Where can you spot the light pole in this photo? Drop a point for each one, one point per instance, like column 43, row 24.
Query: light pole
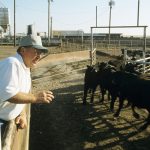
column 111, row 3
column 138, row 12
column 96, row 16
column 49, row 16
column 14, row 23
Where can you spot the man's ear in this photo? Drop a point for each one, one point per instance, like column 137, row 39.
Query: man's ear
column 22, row 50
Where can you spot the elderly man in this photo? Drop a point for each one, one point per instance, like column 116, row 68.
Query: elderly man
column 15, row 81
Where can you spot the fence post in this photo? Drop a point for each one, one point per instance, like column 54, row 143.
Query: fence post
column 143, row 61
column 125, row 56
column 93, row 56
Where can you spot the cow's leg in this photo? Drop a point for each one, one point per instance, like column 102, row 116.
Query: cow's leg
column 103, row 91
column 90, row 90
column 109, row 96
column 147, row 122
column 112, row 102
column 135, row 114
column 92, row 97
column 120, row 107
column 85, row 94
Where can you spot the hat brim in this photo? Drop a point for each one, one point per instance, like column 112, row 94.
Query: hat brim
column 41, row 48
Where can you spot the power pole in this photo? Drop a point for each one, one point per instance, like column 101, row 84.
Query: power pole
column 14, row 23
column 138, row 12
column 111, row 3
column 96, row 16
column 109, row 23
column 49, row 17
column 51, row 32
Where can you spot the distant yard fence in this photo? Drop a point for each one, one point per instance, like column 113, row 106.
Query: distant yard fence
column 143, row 63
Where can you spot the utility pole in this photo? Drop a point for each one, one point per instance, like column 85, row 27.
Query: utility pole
column 111, row 3
column 14, row 23
column 96, row 16
column 49, row 17
column 51, row 32
column 138, row 12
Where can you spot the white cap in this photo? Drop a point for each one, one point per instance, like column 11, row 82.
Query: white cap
column 33, row 41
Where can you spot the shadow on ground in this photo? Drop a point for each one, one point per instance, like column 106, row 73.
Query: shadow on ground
column 66, row 124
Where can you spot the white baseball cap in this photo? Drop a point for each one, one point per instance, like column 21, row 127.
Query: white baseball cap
column 33, row 41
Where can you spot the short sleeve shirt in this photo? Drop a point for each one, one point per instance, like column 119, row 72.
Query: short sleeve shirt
column 14, row 78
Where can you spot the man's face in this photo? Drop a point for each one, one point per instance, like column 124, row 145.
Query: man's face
column 31, row 56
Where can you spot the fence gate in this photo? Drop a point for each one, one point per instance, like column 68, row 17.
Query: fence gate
column 143, row 64
column 93, row 50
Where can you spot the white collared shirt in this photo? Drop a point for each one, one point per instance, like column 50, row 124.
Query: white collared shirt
column 14, row 77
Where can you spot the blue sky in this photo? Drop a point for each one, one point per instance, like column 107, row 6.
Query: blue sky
column 78, row 14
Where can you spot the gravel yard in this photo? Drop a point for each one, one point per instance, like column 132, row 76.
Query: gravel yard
column 66, row 124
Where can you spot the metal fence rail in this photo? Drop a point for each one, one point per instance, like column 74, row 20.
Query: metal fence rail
column 143, row 64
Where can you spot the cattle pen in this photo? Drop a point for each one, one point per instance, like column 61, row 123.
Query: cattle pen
column 67, row 124
column 93, row 50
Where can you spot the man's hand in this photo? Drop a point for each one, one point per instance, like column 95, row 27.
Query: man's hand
column 21, row 122
column 26, row 98
column 44, row 97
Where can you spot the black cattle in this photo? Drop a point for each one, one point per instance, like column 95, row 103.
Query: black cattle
column 132, row 54
column 90, row 82
column 116, row 63
column 106, row 72
column 121, row 81
column 96, row 76
column 131, row 68
column 102, row 66
column 106, row 75
column 136, row 90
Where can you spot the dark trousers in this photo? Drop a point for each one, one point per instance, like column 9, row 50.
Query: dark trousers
column 3, row 127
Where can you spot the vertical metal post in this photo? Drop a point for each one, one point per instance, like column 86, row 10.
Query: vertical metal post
column 14, row 23
column 144, row 45
column 109, row 23
column 144, row 48
column 96, row 16
column 125, row 56
column 138, row 12
column 143, row 62
column 91, row 55
column 131, row 44
column 111, row 3
column 49, row 21
column 82, row 38
column 51, row 32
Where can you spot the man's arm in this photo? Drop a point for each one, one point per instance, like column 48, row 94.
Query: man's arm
column 25, row 98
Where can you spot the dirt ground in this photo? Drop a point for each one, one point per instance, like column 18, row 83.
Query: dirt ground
column 66, row 124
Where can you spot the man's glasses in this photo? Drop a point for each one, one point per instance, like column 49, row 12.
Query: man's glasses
column 38, row 52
